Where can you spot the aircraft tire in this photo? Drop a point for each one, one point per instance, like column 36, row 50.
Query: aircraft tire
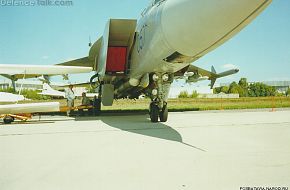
column 97, row 107
column 163, row 115
column 154, row 113
column 8, row 120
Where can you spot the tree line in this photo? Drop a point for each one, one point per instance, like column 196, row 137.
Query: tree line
column 27, row 93
column 244, row 89
column 185, row 94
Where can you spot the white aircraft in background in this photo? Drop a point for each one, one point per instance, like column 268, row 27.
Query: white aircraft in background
column 9, row 98
column 49, row 91
column 10, row 112
column 134, row 58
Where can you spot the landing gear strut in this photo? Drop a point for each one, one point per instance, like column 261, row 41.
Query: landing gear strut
column 97, row 103
column 158, row 107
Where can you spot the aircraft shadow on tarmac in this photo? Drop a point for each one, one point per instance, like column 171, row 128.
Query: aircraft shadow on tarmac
column 140, row 124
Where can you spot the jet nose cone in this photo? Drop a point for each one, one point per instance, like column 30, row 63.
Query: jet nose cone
column 194, row 27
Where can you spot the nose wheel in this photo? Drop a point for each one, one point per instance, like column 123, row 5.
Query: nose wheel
column 159, row 96
column 163, row 114
column 156, row 114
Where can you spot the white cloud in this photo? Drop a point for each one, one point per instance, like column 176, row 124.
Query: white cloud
column 229, row 66
column 45, row 57
column 279, row 79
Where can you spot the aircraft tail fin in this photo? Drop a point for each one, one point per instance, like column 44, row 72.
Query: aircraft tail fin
column 46, row 87
column 213, row 70
column 212, row 83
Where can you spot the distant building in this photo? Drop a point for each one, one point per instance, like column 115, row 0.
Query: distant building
column 219, row 96
column 281, row 86
column 26, row 84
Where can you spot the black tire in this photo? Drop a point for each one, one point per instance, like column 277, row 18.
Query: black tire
column 8, row 120
column 163, row 115
column 154, row 113
column 97, row 107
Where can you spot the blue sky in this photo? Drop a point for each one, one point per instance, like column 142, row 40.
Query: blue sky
column 50, row 35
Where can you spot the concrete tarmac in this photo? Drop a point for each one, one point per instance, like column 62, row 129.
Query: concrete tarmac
column 193, row 150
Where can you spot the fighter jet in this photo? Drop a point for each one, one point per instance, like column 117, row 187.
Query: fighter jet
column 133, row 57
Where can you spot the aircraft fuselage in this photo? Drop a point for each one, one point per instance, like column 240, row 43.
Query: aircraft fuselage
column 171, row 34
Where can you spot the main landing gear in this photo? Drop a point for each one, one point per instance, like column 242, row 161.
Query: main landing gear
column 97, row 102
column 158, row 108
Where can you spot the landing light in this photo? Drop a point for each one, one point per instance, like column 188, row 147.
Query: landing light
column 165, row 77
column 155, row 77
column 154, row 92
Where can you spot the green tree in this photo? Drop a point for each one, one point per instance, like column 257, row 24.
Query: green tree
column 8, row 90
column 222, row 89
column 261, row 90
column 194, row 94
column 243, row 83
column 225, row 89
column 288, row 92
column 254, row 90
column 244, row 87
column 183, row 94
column 33, row 95
column 217, row 90
column 234, row 88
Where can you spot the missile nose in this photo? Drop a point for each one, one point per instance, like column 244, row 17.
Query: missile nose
column 194, row 27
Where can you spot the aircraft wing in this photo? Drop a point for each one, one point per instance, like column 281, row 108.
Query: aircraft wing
column 195, row 74
column 82, row 62
column 82, row 65
column 202, row 72
column 85, row 84
column 87, row 61
column 32, row 71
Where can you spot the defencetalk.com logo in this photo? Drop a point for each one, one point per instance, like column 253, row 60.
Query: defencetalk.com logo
column 31, row 3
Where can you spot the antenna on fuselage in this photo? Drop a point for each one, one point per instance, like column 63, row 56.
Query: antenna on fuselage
column 90, row 41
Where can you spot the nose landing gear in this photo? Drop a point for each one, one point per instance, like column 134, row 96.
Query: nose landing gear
column 156, row 113
column 163, row 114
column 158, row 107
